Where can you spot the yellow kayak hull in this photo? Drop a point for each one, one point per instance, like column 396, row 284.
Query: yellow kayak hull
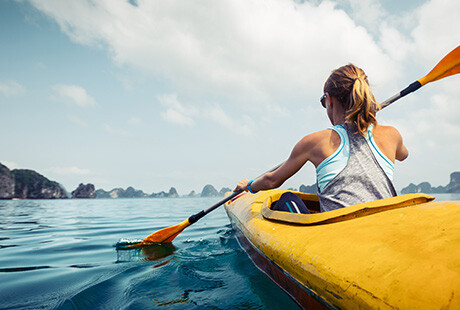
column 401, row 252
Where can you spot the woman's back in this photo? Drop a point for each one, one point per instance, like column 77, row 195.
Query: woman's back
column 387, row 138
column 326, row 142
column 357, row 172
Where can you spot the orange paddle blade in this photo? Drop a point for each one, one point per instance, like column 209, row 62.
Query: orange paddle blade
column 448, row 66
column 164, row 235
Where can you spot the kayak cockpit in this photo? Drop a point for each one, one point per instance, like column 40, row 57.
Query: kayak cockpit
column 316, row 217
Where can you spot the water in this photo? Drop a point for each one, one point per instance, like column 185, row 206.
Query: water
column 60, row 254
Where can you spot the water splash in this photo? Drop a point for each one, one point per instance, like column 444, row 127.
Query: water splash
column 123, row 243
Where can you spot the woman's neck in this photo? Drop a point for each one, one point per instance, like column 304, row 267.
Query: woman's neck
column 336, row 112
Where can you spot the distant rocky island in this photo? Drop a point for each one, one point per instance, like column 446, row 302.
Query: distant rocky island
column 311, row 189
column 29, row 184
column 84, row 191
column 425, row 187
column 130, row 192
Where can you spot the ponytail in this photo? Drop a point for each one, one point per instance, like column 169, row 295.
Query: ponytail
column 349, row 85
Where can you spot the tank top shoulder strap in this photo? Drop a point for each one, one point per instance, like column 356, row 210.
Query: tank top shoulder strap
column 336, row 162
column 384, row 162
column 340, row 130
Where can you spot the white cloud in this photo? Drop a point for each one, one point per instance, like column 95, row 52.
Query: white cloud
column 73, row 170
column 116, row 131
column 184, row 115
column 74, row 94
column 175, row 117
column 242, row 125
column 369, row 13
column 438, row 31
column 177, row 113
column 395, row 44
column 444, row 106
column 250, row 51
column 77, row 121
column 11, row 88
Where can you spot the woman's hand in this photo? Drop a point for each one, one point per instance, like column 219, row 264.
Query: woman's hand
column 242, row 186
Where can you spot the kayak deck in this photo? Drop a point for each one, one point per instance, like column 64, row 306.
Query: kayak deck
column 405, row 256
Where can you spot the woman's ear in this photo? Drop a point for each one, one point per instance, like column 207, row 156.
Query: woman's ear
column 329, row 100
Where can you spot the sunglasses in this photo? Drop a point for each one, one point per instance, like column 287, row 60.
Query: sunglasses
column 323, row 100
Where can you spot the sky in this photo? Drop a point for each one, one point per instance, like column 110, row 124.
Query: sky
column 154, row 94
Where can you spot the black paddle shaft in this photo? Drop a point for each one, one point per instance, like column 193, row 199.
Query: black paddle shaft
column 194, row 218
column 409, row 89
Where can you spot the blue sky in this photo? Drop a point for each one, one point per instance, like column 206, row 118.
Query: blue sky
column 154, row 94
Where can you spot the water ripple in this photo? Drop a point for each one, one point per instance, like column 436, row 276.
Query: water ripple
column 60, row 254
column 20, row 269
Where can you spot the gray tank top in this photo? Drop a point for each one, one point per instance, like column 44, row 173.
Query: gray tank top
column 361, row 180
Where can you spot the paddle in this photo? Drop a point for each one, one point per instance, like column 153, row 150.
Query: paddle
column 169, row 233
column 448, row 66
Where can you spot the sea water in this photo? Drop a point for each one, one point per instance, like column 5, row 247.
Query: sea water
column 61, row 254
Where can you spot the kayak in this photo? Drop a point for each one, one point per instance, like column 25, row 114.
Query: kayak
column 401, row 252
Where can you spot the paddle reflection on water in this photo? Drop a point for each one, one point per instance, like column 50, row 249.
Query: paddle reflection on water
column 146, row 253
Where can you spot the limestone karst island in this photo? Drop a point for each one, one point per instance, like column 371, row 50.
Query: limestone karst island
column 29, row 184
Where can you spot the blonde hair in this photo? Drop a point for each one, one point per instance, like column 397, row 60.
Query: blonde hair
column 349, row 85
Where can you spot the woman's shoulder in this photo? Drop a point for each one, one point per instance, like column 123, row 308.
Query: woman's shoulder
column 319, row 145
column 320, row 136
column 386, row 131
column 390, row 141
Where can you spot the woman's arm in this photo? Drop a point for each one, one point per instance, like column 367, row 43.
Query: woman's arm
column 401, row 150
column 299, row 156
column 390, row 142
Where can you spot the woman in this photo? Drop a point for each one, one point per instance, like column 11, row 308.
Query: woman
column 354, row 158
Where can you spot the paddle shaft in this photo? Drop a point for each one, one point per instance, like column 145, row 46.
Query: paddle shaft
column 409, row 89
column 194, row 218
column 447, row 66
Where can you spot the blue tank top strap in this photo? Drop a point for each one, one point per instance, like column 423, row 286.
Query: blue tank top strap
column 336, row 162
column 384, row 162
